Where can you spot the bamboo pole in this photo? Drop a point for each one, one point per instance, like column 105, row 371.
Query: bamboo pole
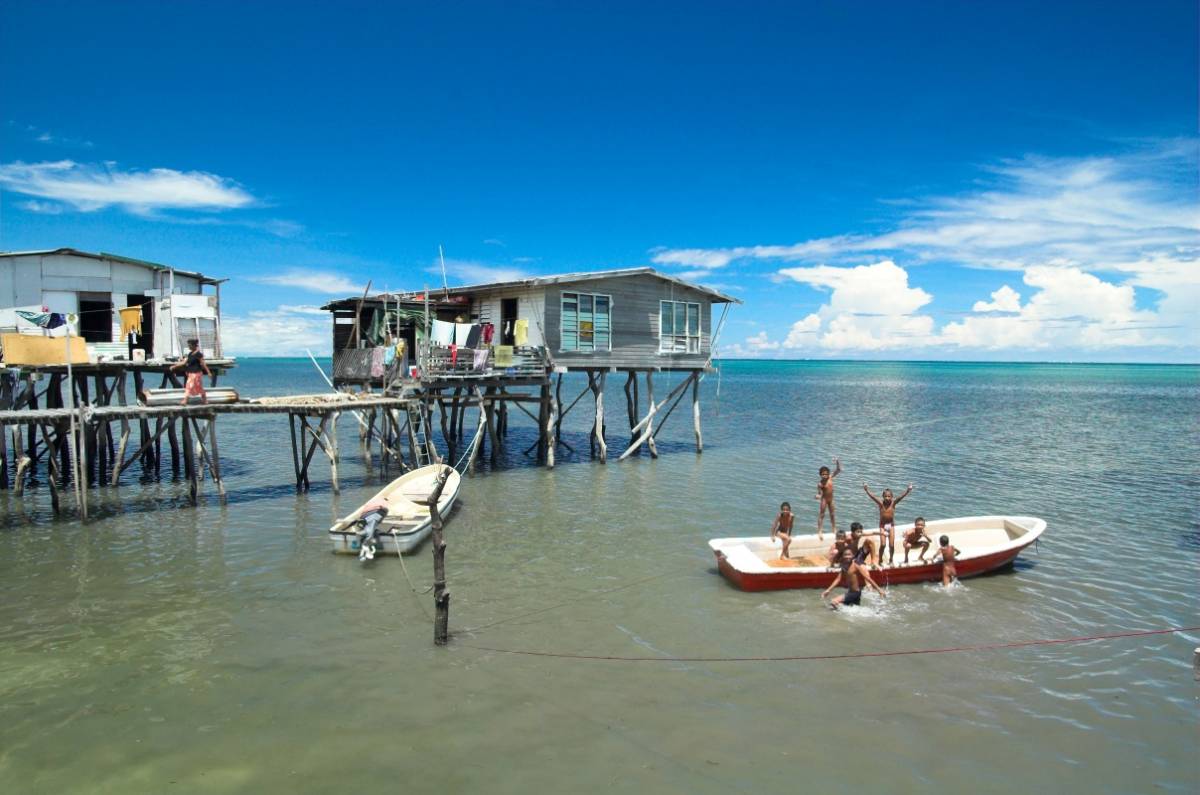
column 696, row 412
column 650, row 445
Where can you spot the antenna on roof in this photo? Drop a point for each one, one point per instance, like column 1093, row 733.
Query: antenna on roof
column 445, row 286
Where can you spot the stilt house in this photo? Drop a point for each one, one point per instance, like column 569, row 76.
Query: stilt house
column 175, row 304
column 485, row 339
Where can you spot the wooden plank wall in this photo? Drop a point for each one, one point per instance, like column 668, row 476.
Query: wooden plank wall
column 635, row 312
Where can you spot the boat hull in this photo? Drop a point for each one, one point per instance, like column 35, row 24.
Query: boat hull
column 987, row 543
column 888, row 575
column 408, row 523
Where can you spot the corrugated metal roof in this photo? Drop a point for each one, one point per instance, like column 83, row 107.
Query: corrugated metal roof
column 562, row 278
column 114, row 257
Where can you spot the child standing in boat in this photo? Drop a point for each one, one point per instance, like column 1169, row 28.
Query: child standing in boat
column 825, row 495
column 916, row 538
column 949, row 555
column 887, row 519
column 782, row 529
column 853, row 574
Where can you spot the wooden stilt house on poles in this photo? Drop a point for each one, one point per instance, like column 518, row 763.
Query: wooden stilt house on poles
column 488, row 339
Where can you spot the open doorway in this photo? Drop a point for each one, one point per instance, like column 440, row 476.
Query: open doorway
column 508, row 318
column 95, row 317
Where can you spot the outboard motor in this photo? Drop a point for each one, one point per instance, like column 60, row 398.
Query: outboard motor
column 369, row 522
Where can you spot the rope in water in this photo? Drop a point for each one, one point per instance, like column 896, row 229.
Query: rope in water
column 851, row 656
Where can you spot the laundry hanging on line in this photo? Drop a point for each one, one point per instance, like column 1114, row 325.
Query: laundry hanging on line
column 461, row 332
column 441, row 332
column 481, row 357
column 521, row 332
column 377, row 355
column 131, row 321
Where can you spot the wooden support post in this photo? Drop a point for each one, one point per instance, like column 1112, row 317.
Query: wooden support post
column 444, row 423
column 51, row 440
column 119, row 385
column 493, row 434
column 333, row 452
column 215, row 456
column 189, row 461
column 31, row 453
column 558, row 404
column 598, row 430
column 551, row 436
column 3, row 458
column 650, row 445
column 696, row 412
column 83, row 464
column 148, row 458
column 441, row 596
column 295, row 452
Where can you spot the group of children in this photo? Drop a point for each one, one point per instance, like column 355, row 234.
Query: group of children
column 854, row 554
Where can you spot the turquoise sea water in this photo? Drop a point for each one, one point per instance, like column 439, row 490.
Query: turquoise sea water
column 222, row 648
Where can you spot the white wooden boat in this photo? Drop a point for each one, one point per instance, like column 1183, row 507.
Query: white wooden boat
column 986, row 543
column 408, row 522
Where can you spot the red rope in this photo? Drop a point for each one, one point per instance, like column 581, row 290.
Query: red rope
column 856, row 655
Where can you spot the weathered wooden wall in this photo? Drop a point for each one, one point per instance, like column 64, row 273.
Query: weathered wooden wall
column 635, row 313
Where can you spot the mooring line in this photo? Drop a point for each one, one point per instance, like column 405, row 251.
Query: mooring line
column 850, row 656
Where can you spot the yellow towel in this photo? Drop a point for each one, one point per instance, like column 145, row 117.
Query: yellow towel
column 131, row 321
column 521, row 332
column 504, row 355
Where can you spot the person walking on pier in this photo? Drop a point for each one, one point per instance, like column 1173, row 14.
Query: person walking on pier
column 195, row 368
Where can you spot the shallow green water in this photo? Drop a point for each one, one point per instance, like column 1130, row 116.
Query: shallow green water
column 224, row 649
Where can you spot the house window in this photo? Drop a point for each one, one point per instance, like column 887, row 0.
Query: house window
column 678, row 327
column 586, row 322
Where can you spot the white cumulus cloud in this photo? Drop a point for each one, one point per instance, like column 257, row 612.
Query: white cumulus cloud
column 870, row 308
column 284, row 331
column 1006, row 299
column 94, row 187
column 314, row 281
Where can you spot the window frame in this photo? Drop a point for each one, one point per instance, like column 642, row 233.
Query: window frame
column 562, row 300
column 686, row 336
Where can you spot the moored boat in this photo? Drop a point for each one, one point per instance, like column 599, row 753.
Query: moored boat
column 986, row 543
column 408, row 521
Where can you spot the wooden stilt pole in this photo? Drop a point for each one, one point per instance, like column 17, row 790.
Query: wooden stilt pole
column 295, row 452
column 441, row 596
column 333, row 453
column 215, row 456
column 696, row 412
column 551, row 436
column 650, row 445
column 598, row 431
column 189, row 462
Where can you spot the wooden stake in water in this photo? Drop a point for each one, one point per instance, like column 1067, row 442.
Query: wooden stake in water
column 441, row 597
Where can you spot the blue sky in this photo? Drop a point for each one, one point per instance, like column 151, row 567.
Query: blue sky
column 875, row 180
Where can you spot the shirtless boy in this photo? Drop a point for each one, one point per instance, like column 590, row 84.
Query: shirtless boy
column 840, row 542
column 864, row 549
column 949, row 555
column 782, row 529
column 852, row 575
column 916, row 538
column 825, row 495
column 887, row 518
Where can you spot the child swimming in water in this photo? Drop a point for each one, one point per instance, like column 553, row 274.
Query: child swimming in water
column 782, row 529
column 887, row 518
column 825, row 495
column 949, row 555
column 852, row 575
